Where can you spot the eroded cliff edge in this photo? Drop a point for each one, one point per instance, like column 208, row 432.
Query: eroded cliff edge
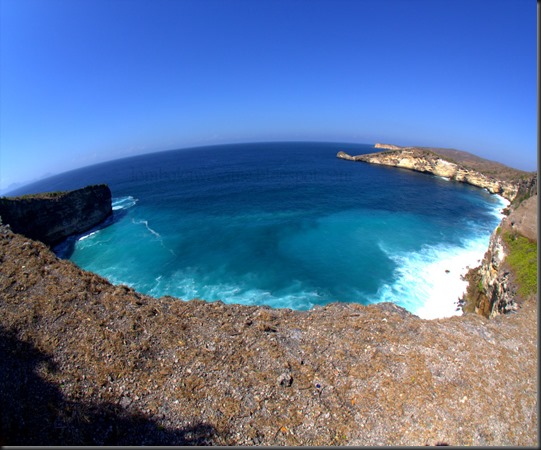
column 51, row 217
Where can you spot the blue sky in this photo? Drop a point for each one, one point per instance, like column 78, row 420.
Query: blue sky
column 84, row 81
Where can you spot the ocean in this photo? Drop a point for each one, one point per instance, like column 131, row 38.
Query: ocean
column 284, row 224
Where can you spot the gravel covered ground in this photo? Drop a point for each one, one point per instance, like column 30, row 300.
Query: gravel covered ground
column 85, row 362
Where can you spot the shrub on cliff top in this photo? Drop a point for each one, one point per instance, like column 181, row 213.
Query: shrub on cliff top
column 523, row 260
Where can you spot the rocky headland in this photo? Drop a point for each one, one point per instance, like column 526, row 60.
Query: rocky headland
column 451, row 164
column 84, row 362
column 508, row 272
column 52, row 217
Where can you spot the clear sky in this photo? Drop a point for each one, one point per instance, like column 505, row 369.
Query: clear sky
column 84, row 81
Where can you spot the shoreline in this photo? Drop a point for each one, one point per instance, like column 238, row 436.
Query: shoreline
column 430, row 283
column 448, row 164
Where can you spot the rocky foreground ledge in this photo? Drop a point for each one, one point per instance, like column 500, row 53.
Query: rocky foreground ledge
column 452, row 164
column 86, row 362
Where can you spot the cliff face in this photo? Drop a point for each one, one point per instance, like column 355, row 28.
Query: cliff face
column 50, row 218
column 526, row 188
column 523, row 219
column 493, row 288
column 429, row 162
column 493, row 291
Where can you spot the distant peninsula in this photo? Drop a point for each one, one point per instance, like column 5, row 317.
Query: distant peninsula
column 451, row 164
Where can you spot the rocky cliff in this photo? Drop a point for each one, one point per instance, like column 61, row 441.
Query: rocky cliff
column 430, row 162
column 51, row 217
column 491, row 291
column 527, row 188
column 508, row 272
column 507, row 275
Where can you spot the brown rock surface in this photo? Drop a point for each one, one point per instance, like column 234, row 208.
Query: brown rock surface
column 387, row 146
column 524, row 218
column 85, row 362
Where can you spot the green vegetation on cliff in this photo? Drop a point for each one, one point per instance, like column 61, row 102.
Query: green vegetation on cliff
column 522, row 258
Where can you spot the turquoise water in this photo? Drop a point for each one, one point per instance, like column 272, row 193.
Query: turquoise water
column 286, row 225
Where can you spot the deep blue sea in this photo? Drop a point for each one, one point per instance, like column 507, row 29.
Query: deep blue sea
column 283, row 224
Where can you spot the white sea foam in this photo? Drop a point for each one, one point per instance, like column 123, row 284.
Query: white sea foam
column 86, row 236
column 235, row 294
column 503, row 203
column 430, row 282
column 123, row 202
column 157, row 235
column 186, row 285
column 145, row 223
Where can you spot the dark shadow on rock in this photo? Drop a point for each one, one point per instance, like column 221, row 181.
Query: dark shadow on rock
column 35, row 412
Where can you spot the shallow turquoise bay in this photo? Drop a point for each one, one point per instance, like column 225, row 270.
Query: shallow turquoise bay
column 286, row 225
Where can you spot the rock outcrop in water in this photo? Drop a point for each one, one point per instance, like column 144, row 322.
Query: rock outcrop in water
column 427, row 161
column 51, row 217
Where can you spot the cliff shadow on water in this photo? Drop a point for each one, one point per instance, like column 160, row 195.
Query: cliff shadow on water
column 66, row 248
column 34, row 411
